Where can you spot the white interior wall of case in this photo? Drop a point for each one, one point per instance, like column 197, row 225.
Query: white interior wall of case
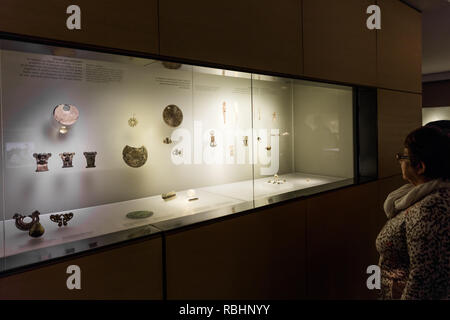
column 272, row 105
column 435, row 114
column 103, row 127
column 318, row 119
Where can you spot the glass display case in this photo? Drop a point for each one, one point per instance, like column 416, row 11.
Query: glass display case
column 98, row 148
column 431, row 114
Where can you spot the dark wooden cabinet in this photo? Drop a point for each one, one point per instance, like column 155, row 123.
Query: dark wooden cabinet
column 340, row 245
column 114, row 24
column 336, row 42
column 261, row 255
column 399, row 47
column 130, row 271
column 257, row 34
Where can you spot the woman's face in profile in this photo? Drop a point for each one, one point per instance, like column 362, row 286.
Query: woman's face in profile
column 408, row 171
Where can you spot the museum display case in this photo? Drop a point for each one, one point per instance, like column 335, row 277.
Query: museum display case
column 99, row 148
column 431, row 114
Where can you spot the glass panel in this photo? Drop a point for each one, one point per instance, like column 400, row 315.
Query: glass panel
column 223, row 124
column 304, row 137
column 273, row 134
column 100, row 148
column 2, row 207
column 98, row 144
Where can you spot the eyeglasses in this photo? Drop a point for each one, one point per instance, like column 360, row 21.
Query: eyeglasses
column 400, row 156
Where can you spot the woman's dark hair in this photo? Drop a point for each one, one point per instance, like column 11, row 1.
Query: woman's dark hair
column 444, row 125
column 431, row 146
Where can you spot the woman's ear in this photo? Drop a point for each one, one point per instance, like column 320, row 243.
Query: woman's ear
column 420, row 168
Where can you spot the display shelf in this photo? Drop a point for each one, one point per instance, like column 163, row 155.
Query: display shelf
column 109, row 219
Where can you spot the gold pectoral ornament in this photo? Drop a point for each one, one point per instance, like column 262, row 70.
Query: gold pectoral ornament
column 135, row 157
column 61, row 219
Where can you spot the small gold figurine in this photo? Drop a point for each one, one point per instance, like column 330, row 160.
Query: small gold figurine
column 132, row 122
column 212, row 143
column 245, row 141
column 224, row 110
column 167, row 140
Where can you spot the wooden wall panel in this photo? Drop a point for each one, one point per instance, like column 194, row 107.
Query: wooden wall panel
column 129, row 272
column 399, row 47
column 436, row 94
column 256, row 256
column 340, row 244
column 132, row 25
column 257, row 34
column 337, row 44
column 398, row 114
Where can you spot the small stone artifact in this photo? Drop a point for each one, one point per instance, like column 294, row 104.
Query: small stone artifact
column 42, row 161
column 139, row 214
column 90, row 158
column 67, row 157
column 276, row 180
column 61, row 219
column 169, row 195
column 172, row 115
column 135, row 157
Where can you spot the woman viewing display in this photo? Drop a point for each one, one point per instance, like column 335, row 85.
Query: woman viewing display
column 414, row 244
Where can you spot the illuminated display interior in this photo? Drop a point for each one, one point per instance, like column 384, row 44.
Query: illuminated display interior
column 121, row 142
